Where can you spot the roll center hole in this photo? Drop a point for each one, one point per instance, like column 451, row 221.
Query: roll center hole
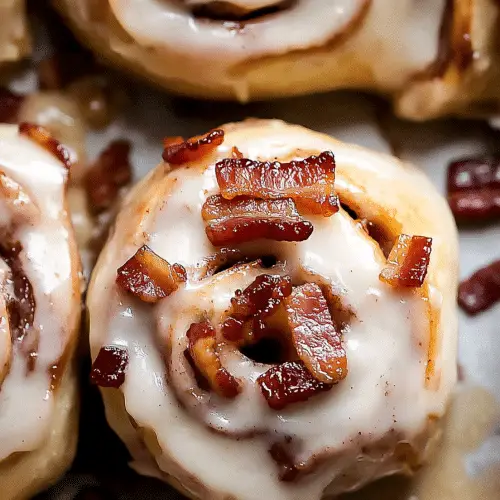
column 238, row 11
column 268, row 350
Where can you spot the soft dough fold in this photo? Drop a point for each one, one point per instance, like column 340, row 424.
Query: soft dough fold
column 432, row 57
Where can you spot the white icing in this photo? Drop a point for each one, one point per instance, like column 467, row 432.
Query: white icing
column 42, row 228
column 383, row 394
column 396, row 39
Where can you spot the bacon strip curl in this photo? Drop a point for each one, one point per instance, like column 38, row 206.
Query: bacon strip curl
column 309, row 182
column 318, row 343
column 231, row 222
column 408, row 261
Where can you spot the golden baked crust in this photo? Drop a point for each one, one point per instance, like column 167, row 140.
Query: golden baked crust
column 41, row 309
column 372, row 47
column 166, row 436
column 14, row 36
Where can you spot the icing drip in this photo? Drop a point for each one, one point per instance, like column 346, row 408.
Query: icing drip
column 384, row 398
column 39, row 278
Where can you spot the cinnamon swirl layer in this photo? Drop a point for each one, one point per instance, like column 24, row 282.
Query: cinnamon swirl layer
column 254, row 335
column 40, row 312
column 433, row 57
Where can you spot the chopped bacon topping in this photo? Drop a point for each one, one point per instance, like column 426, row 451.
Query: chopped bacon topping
column 202, row 348
column 108, row 369
column 257, row 301
column 408, row 261
column 309, row 182
column 110, row 172
column 43, row 137
column 247, row 219
column 10, row 104
column 289, row 383
column 149, row 277
column 474, row 189
column 316, row 340
column 481, row 290
column 178, row 151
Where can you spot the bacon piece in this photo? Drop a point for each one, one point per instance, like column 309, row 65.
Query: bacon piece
column 149, row 277
column 202, row 348
column 289, row 383
column 309, row 182
column 10, row 104
column 110, row 172
column 314, row 336
column 230, row 222
column 108, row 369
column 43, row 137
column 178, row 151
column 474, row 189
column 257, row 301
column 408, row 261
column 481, row 290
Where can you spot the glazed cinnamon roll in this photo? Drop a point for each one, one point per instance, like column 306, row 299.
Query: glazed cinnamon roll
column 432, row 56
column 14, row 36
column 40, row 312
column 273, row 315
column 94, row 187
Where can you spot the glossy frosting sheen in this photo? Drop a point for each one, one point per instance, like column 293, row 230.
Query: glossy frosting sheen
column 32, row 212
column 396, row 39
column 384, row 398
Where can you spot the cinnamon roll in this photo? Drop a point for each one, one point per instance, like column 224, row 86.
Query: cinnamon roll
column 94, row 187
column 274, row 315
column 432, row 56
column 40, row 312
column 14, row 35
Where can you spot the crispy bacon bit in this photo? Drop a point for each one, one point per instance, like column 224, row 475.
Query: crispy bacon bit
column 308, row 182
column 315, row 338
column 43, row 137
column 149, row 277
column 408, row 261
column 110, row 172
column 202, row 348
column 178, row 151
column 481, row 290
column 10, row 103
column 477, row 179
column 108, row 369
column 474, row 189
column 289, row 383
column 257, row 301
column 230, row 222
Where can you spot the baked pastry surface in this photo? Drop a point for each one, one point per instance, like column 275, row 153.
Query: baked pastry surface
column 400, row 344
column 40, row 277
column 14, row 36
column 432, row 57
